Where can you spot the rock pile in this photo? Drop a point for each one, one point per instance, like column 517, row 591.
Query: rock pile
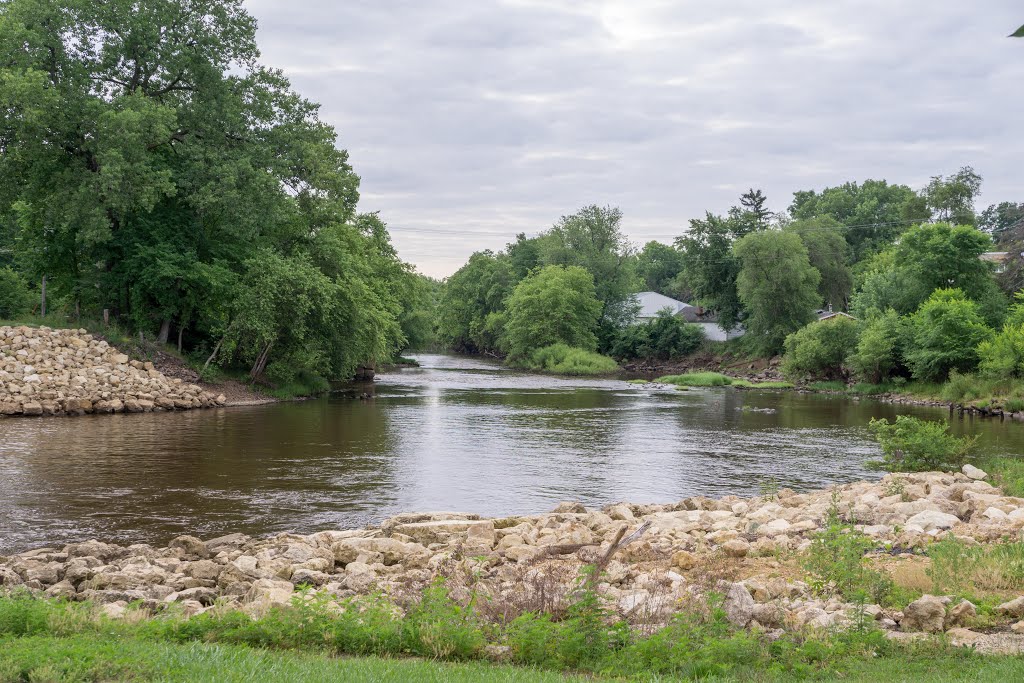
column 69, row 372
column 512, row 560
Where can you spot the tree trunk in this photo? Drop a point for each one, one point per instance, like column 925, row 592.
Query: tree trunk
column 42, row 301
column 261, row 361
column 165, row 331
column 181, row 331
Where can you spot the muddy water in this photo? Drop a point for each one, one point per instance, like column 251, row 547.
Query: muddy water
column 455, row 434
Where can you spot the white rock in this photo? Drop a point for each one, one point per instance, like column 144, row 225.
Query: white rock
column 933, row 519
column 973, row 472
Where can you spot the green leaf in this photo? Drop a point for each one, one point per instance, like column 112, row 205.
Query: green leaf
column 1019, row 33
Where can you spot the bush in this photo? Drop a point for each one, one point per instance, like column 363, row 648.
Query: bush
column 944, row 335
column 15, row 297
column 1003, row 356
column 665, row 337
column 820, row 349
column 836, row 564
column 878, row 351
column 913, row 445
column 562, row 359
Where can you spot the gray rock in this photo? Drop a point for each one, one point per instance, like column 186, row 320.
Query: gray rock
column 1013, row 608
column 738, row 605
column 927, row 613
column 974, row 473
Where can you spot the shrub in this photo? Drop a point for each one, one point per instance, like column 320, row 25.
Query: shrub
column 562, row 359
column 15, row 297
column 913, row 445
column 836, row 563
column 944, row 335
column 440, row 628
column 878, row 349
column 820, row 349
column 1003, row 355
column 665, row 337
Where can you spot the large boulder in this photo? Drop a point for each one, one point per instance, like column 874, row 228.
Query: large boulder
column 738, row 605
column 927, row 613
column 1013, row 608
column 270, row 592
column 933, row 519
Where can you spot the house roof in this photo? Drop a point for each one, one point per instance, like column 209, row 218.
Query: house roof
column 825, row 314
column 995, row 256
column 652, row 302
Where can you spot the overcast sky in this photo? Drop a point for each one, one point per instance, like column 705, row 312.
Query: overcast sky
column 472, row 120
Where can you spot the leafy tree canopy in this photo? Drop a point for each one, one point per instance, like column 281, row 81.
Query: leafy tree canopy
column 556, row 304
column 152, row 167
column 873, row 213
column 778, row 286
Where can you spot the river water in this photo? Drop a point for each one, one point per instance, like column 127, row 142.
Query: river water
column 456, row 434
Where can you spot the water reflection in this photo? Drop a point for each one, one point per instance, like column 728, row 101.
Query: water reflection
column 457, row 433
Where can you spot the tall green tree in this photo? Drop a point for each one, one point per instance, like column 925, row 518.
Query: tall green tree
column 592, row 238
column 778, row 286
column 929, row 257
column 998, row 218
column 659, row 266
column 470, row 300
column 829, row 254
column 151, row 165
column 873, row 213
column 951, row 198
column 710, row 268
column 556, row 304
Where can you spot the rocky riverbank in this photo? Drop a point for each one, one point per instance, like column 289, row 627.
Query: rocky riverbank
column 47, row 371
column 743, row 548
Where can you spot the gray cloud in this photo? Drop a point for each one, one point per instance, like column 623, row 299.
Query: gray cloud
column 470, row 122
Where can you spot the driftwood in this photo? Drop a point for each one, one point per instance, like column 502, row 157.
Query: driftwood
column 617, row 544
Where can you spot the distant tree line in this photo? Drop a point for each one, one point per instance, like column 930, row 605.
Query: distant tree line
column 884, row 253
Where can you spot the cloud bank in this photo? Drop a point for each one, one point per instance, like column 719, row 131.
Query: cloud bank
column 470, row 122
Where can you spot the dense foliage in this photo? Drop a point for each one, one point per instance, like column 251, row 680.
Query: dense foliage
column 153, row 168
column 820, row 350
column 913, row 445
column 553, row 305
column 15, row 297
column 777, row 284
column 665, row 337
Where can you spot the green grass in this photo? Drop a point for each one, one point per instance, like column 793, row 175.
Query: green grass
column 303, row 384
column 1008, row 473
column 81, row 659
column 715, row 379
column 697, row 379
column 46, row 640
column 561, row 359
column 771, row 384
column 638, row 381
column 974, row 570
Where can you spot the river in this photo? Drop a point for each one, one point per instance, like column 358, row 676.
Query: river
column 455, row 434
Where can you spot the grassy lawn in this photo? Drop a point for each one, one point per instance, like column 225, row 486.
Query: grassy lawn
column 81, row 658
column 45, row 659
